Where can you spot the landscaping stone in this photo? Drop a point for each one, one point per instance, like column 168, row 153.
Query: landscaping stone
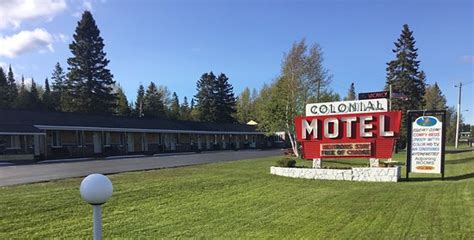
column 389, row 174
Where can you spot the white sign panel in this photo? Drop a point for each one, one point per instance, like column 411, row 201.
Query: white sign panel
column 358, row 106
column 426, row 145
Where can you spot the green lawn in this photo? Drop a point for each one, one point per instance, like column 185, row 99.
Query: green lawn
column 242, row 200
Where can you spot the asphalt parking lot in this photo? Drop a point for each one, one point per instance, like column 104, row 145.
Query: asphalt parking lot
column 40, row 172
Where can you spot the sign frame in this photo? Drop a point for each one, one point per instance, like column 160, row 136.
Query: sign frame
column 414, row 114
column 381, row 147
column 374, row 95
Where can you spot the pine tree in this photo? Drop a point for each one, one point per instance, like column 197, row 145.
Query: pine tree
column 165, row 98
column 351, row 95
column 123, row 108
column 193, row 111
column 34, row 102
column 434, row 98
column 90, row 83
column 192, row 104
column 185, row 110
column 225, row 99
column 47, row 99
column 153, row 105
column 23, row 99
column 138, row 106
column 175, row 107
column 4, row 99
column 405, row 77
column 59, row 96
column 12, row 88
column 205, row 98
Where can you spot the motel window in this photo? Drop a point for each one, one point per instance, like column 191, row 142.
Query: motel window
column 107, row 139
column 80, row 138
column 56, row 139
column 15, row 142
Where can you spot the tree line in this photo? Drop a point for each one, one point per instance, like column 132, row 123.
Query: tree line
column 88, row 86
column 303, row 79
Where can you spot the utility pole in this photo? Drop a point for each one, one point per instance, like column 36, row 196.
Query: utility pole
column 458, row 116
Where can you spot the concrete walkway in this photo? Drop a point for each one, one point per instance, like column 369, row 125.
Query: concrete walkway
column 20, row 174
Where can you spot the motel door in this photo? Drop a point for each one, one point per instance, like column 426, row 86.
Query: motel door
column 199, row 142
column 130, row 143
column 97, row 142
column 208, row 142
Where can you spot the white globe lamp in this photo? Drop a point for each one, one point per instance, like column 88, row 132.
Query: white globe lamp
column 96, row 189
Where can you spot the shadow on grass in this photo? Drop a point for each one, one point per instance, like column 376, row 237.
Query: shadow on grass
column 460, row 161
column 450, row 178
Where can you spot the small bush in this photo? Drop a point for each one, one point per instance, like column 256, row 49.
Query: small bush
column 285, row 162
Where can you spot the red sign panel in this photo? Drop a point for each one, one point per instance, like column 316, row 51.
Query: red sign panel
column 370, row 135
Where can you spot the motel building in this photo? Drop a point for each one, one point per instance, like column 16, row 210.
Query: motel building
column 37, row 135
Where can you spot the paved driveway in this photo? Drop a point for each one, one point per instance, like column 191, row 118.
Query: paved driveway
column 12, row 175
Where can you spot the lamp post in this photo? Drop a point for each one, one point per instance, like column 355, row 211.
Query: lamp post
column 96, row 189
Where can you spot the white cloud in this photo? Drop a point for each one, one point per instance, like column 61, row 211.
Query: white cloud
column 61, row 38
column 4, row 66
column 26, row 41
column 14, row 12
column 468, row 59
column 85, row 5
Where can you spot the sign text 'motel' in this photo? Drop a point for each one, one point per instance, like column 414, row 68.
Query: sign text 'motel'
column 361, row 128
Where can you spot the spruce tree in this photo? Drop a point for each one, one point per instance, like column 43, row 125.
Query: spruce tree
column 205, row 98
column 12, row 88
column 185, row 111
column 405, row 77
column 153, row 102
column 4, row 100
column 48, row 102
column 123, row 108
column 59, row 95
column 138, row 106
column 90, row 83
column 23, row 99
column 174, row 108
column 351, row 95
column 224, row 99
column 193, row 111
column 34, row 100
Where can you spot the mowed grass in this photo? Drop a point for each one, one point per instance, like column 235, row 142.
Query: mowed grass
column 242, row 200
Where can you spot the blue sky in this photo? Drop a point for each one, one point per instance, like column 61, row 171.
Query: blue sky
column 173, row 42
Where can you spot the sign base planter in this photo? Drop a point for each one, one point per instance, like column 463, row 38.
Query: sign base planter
column 386, row 174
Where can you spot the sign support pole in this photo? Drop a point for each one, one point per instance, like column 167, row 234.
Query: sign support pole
column 443, row 140
column 408, row 162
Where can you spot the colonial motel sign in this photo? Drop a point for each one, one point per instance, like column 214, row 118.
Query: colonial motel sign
column 426, row 142
column 363, row 128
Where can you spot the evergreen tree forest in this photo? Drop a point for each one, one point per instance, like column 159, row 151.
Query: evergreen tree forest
column 87, row 85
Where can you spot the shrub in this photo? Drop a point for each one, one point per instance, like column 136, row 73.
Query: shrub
column 285, row 162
